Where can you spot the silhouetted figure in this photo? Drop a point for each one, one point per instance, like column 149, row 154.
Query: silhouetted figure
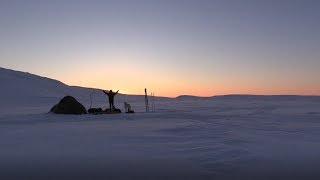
column 111, row 95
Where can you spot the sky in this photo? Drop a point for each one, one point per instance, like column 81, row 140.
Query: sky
column 171, row 47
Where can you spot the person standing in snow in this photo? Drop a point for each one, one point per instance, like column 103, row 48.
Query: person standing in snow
column 111, row 95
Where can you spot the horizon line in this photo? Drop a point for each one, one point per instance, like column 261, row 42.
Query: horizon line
column 171, row 97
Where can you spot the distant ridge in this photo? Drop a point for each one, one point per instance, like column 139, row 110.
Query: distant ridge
column 248, row 97
column 191, row 97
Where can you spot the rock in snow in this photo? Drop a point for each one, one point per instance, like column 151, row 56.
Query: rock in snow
column 69, row 105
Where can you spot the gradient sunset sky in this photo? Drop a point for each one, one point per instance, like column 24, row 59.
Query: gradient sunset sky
column 172, row 47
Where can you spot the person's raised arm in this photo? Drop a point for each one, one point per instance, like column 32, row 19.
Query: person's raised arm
column 117, row 92
column 105, row 92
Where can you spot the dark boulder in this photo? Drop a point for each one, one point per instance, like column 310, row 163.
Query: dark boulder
column 68, row 105
column 130, row 112
column 95, row 111
column 113, row 111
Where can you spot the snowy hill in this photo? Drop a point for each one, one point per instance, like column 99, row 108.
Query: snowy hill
column 21, row 84
column 22, row 90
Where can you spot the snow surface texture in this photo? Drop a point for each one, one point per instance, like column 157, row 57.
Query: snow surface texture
column 231, row 137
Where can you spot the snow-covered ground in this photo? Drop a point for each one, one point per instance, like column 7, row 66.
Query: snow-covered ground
column 232, row 137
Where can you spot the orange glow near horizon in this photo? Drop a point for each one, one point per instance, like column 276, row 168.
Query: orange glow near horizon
column 133, row 80
column 118, row 73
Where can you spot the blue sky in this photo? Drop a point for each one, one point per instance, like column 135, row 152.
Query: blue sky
column 200, row 47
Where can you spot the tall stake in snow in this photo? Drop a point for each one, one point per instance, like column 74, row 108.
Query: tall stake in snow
column 153, row 103
column 146, row 100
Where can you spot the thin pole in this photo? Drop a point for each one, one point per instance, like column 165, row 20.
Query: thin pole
column 153, row 103
column 146, row 100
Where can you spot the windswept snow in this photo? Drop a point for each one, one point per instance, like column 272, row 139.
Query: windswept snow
column 232, row 137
